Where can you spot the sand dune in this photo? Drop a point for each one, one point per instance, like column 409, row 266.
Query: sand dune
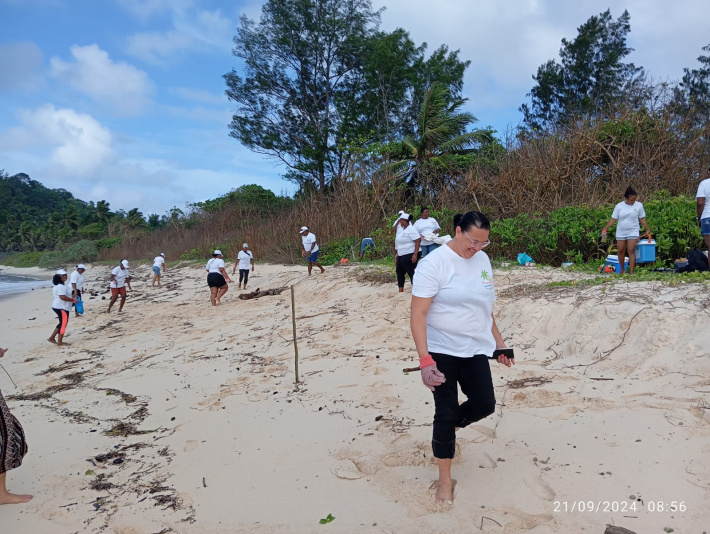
column 178, row 417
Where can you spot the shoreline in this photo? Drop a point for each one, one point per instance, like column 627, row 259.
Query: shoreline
column 199, row 406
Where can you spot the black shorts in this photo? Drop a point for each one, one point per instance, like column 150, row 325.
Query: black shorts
column 216, row 280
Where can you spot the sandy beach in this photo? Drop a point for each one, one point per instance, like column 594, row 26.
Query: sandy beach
column 175, row 416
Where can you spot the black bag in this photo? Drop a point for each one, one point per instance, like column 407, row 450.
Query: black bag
column 697, row 261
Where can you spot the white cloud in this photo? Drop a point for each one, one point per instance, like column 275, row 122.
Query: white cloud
column 192, row 30
column 199, row 95
column 20, row 65
column 144, row 9
column 117, row 85
column 77, row 144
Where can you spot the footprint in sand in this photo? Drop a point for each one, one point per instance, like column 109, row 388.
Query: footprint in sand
column 191, row 445
column 485, row 461
column 401, row 441
column 490, row 432
column 523, row 520
column 539, row 487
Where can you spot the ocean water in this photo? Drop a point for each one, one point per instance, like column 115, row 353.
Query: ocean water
column 10, row 285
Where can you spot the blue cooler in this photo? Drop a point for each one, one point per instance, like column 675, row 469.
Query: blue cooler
column 614, row 262
column 646, row 251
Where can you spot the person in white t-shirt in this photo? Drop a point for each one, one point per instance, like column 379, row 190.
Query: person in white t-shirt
column 118, row 285
column 217, row 277
column 245, row 259
column 396, row 230
column 310, row 249
column 76, row 281
column 158, row 263
column 62, row 301
column 703, row 211
column 427, row 225
column 455, row 333
column 406, row 246
column 628, row 214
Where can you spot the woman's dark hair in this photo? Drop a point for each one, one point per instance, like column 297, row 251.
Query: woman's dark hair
column 472, row 219
column 57, row 279
column 424, row 208
column 630, row 192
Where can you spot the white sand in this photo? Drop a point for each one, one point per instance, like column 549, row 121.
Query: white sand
column 231, row 446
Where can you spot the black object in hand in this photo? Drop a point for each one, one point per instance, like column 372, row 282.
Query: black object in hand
column 508, row 353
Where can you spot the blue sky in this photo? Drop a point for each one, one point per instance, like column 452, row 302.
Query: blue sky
column 123, row 100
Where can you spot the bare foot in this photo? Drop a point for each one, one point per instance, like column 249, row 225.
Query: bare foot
column 445, row 492
column 63, row 344
column 51, row 340
column 11, row 498
column 322, row 271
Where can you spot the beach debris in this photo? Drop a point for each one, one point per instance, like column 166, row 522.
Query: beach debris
column 610, row 529
column 328, row 519
column 259, row 293
column 378, row 276
column 33, row 318
column 532, row 381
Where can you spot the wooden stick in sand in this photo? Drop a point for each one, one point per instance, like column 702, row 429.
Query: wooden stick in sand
column 411, row 369
column 293, row 317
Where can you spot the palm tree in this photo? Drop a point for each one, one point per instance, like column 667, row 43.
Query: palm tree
column 101, row 212
column 71, row 218
column 440, row 140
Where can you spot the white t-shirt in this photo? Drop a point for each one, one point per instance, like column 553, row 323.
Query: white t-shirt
column 704, row 192
column 628, row 216
column 404, row 242
column 120, row 275
column 426, row 226
column 158, row 262
column 65, row 291
column 459, row 321
column 78, row 279
column 307, row 241
column 245, row 259
column 214, row 264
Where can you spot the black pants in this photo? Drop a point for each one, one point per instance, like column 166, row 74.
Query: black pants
column 405, row 266
column 474, row 375
column 243, row 275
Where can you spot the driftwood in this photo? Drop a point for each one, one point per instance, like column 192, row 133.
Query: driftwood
column 259, row 293
column 617, row 530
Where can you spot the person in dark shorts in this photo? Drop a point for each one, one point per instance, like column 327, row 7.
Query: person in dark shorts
column 703, row 211
column 367, row 244
column 455, row 333
column 310, row 249
column 245, row 260
column 217, row 277
column 13, row 448
column 406, row 245
column 62, row 301
column 76, row 280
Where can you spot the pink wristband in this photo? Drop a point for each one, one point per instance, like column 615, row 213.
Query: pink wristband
column 426, row 361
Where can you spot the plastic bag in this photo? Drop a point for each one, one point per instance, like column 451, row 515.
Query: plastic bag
column 523, row 258
column 79, row 306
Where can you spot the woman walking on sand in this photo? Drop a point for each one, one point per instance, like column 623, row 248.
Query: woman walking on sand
column 61, row 304
column 245, row 259
column 628, row 213
column 427, row 225
column 310, row 249
column 13, row 448
column 118, row 285
column 217, row 277
column 455, row 333
column 76, row 280
column 406, row 246
column 158, row 262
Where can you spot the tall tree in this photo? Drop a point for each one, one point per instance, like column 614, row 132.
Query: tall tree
column 692, row 95
column 591, row 74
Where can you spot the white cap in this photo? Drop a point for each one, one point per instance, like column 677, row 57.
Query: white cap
column 303, row 229
column 404, row 216
column 400, row 212
column 217, row 252
column 81, row 266
column 61, row 271
column 244, row 245
column 162, row 254
column 124, row 263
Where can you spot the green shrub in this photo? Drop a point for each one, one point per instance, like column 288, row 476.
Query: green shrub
column 333, row 251
column 92, row 231
column 82, row 251
column 52, row 260
column 108, row 242
column 23, row 259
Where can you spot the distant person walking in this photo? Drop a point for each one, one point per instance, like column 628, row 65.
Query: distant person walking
column 217, row 277
column 76, row 280
column 427, row 225
column 367, row 244
column 158, row 263
column 628, row 214
column 13, row 448
column 62, row 301
column 396, row 230
column 245, row 260
column 310, row 249
column 703, row 211
column 118, row 285
column 407, row 248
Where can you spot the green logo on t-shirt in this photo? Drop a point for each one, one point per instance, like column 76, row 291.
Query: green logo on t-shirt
column 485, row 275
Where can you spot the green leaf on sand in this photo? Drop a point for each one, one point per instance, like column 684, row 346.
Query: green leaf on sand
column 327, row 520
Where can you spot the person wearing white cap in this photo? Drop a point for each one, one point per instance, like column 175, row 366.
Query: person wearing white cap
column 407, row 247
column 245, row 259
column 76, row 280
column 158, row 262
column 61, row 304
column 310, row 249
column 217, row 277
column 118, row 285
column 397, row 229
